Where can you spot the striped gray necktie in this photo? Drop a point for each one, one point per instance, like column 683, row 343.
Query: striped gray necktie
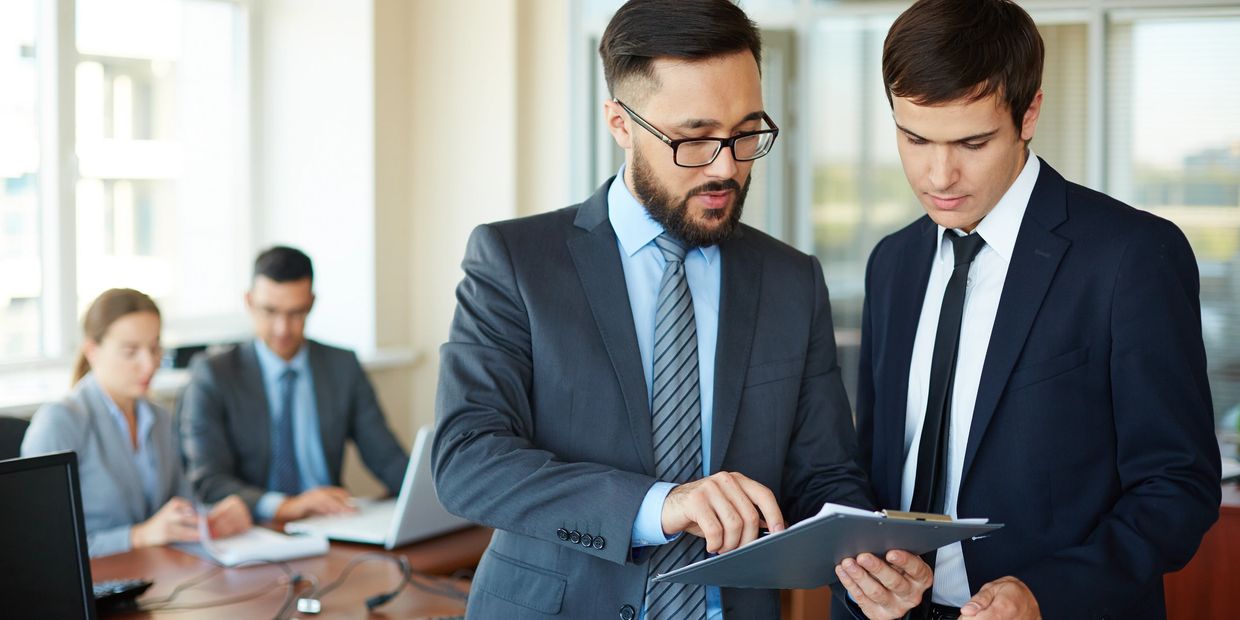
column 677, row 424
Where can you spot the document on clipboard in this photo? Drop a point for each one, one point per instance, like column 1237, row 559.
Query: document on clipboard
column 805, row 555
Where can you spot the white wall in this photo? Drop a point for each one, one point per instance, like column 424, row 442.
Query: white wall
column 389, row 129
column 487, row 140
column 314, row 166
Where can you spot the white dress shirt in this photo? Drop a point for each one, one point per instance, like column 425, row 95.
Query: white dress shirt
column 981, row 302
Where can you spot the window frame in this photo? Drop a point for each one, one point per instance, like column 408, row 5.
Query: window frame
column 57, row 58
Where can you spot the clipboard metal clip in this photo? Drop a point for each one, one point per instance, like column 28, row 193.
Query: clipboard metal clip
column 915, row 516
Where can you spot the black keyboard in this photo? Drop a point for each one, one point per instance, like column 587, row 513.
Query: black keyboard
column 119, row 594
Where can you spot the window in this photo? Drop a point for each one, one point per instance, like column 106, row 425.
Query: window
column 1174, row 150
column 158, row 197
column 21, row 286
column 1141, row 102
column 161, row 197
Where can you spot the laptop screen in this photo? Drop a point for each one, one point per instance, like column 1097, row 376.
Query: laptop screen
column 44, row 565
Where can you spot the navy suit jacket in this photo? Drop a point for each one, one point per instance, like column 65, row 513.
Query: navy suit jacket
column 1093, row 433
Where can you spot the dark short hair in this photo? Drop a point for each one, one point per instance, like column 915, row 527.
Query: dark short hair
column 644, row 30
column 283, row 264
column 939, row 51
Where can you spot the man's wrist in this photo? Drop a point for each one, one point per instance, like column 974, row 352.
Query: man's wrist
column 648, row 526
column 269, row 505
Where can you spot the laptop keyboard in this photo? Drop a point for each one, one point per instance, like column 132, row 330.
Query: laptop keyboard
column 116, row 587
column 119, row 595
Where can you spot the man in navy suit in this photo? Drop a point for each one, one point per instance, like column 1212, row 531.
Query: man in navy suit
column 1031, row 350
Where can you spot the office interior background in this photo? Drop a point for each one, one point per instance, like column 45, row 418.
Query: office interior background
column 158, row 144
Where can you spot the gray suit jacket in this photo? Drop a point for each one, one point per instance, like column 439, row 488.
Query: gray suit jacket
column 112, row 497
column 226, row 425
column 544, row 421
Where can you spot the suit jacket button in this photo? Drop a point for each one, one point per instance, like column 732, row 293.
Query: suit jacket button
column 574, row 537
column 599, row 543
column 587, row 540
column 562, row 533
column 627, row 612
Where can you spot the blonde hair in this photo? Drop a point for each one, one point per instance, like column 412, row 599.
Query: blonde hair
column 107, row 308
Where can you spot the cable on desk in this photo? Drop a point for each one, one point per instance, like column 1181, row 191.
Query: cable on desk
column 165, row 603
column 312, row 601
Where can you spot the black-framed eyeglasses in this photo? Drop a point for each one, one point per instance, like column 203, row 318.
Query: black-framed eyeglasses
column 698, row 152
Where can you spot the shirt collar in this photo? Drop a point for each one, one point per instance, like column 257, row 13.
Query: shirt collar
column 142, row 411
column 633, row 225
column 273, row 365
column 1001, row 226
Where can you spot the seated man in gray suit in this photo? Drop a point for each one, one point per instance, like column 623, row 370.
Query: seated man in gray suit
column 638, row 380
column 267, row 419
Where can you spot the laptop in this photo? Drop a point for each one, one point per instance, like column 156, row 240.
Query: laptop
column 43, row 553
column 414, row 515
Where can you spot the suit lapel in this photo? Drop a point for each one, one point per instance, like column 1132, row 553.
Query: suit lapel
column 738, row 318
column 596, row 257
column 329, row 435
column 249, row 380
column 1035, row 260
column 908, row 294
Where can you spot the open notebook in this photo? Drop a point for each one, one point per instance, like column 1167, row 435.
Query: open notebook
column 255, row 545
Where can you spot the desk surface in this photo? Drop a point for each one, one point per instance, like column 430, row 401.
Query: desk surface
column 168, row 568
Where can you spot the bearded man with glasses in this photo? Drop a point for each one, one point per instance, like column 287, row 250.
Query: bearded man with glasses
column 639, row 380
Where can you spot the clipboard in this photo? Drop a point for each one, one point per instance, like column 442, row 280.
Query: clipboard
column 805, row 555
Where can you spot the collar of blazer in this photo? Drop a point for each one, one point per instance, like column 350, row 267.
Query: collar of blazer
column 1035, row 260
column 596, row 256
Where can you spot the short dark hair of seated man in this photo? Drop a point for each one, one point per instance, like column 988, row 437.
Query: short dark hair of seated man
column 268, row 419
column 282, row 263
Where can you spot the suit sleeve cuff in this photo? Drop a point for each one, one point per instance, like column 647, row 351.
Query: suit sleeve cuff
column 268, row 504
column 648, row 526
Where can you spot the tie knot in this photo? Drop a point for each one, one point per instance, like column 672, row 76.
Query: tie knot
column 289, row 375
column 966, row 247
column 672, row 249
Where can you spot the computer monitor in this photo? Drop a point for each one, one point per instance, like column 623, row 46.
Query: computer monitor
column 44, row 564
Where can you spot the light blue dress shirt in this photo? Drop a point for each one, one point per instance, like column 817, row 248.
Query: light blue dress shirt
column 307, row 443
column 643, row 270
column 145, row 457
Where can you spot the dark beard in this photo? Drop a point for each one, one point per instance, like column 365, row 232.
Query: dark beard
column 664, row 209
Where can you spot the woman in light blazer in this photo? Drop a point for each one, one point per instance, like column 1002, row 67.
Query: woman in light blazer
column 134, row 492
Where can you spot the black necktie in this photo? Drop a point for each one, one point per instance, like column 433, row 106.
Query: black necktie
column 930, row 486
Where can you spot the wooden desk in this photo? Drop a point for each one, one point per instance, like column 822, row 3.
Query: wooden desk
column 1206, row 588
column 170, row 567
